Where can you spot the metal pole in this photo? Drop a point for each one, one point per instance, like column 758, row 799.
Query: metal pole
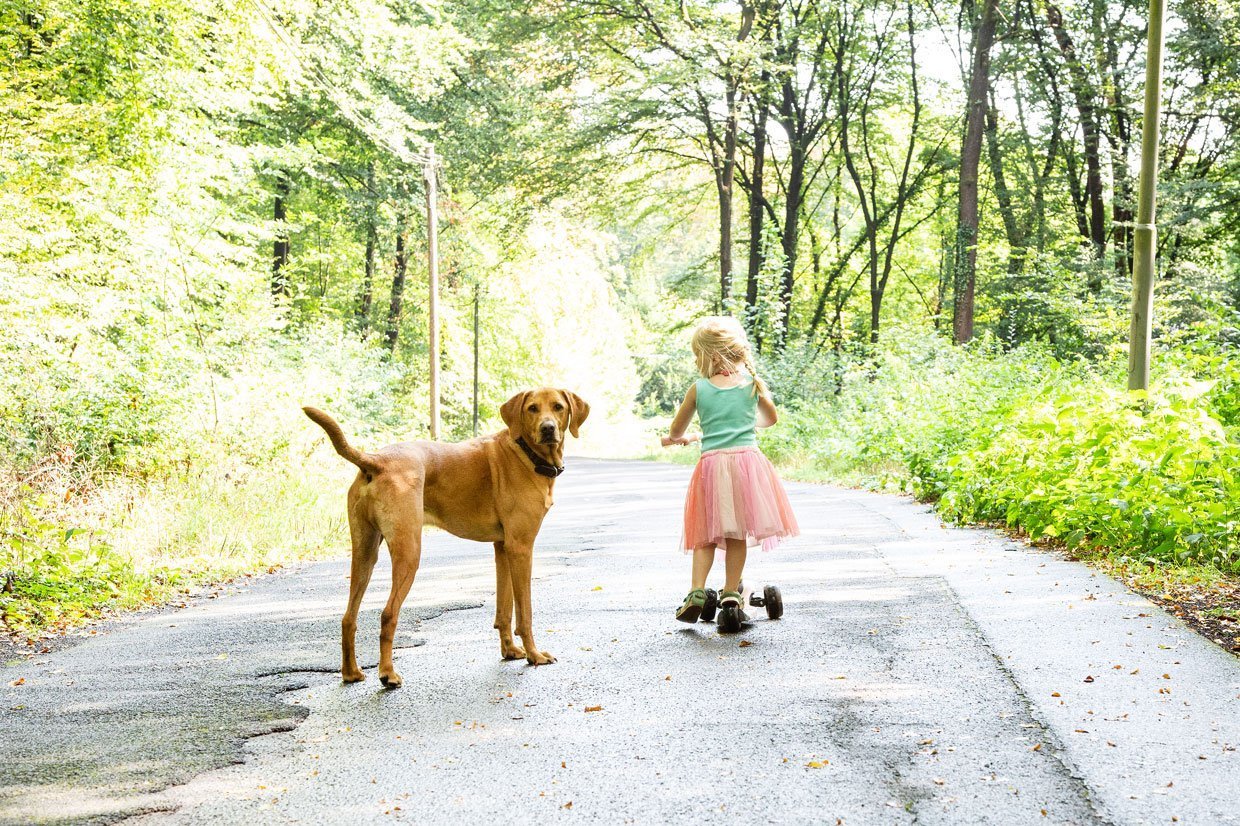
column 1143, row 234
column 432, row 251
column 477, row 347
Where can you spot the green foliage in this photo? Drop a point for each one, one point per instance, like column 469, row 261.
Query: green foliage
column 1048, row 303
column 764, row 320
column 153, row 153
column 1026, row 440
column 666, row 377
column 1146, row 477
column 131, row 479
column 54, row 577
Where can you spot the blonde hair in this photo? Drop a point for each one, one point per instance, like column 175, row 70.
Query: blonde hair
column 719, row 342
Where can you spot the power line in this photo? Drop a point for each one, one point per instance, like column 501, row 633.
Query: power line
column 367, row 127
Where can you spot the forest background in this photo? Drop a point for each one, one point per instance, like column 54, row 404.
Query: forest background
column 213, row 213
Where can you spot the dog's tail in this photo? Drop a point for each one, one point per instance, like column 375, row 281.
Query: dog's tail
column 367, row 464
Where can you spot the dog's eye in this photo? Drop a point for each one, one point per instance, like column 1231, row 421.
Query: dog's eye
column 533, row 408
column 558, row 407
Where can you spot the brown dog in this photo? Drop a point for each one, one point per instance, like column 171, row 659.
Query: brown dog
column 490, row 489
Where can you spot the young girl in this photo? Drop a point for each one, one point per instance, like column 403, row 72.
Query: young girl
column 735, row 498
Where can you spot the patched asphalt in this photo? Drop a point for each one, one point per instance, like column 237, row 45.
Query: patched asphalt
column 921, row 674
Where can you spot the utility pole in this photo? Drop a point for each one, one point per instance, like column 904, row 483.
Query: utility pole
column 432, row 252
column 1143, row 234
column 477, row 347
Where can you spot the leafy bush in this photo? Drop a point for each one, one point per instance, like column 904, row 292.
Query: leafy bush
column 1050, row 447
column 56, row 577
column 1145, row 477
column 134, row 470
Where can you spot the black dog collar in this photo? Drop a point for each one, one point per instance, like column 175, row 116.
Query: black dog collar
column 541, row 466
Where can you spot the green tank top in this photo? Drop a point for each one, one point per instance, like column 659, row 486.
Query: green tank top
column 727, row 415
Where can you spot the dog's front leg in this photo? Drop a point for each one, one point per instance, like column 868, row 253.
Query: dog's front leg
column 520, row 556
column 508, row 649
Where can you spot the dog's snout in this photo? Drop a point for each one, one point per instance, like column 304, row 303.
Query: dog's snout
column 546, row 431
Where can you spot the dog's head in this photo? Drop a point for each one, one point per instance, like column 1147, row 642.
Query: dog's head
column 542, row 415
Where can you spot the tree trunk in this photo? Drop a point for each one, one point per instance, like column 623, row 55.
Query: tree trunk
column 876, row 294
column 725, row 180
column 850, row 163
column 1007, row 211
column 366, row 297
column 1084, row 93
column 837, row 270
column 725, row 177
column 280, row 248
column 970, row 162
column 1121, row 131
column 1118, row 133
column 398, row 282
column 1038, row 170
column 1121, row 214
column 792, row 218
column 795, row 129
column 876, row 303
column 756, row 206
column 1080, row 200
column 906, row 189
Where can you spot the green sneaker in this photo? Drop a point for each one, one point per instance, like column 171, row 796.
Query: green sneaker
column 735, row 599
column 691, row 608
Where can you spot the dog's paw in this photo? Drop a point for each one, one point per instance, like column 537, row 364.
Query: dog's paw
column 539, row 658
column 355, row 676
column 392, row 680
column 512, row 652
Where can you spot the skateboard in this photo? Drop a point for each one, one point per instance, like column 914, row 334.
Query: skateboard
column 731, row 617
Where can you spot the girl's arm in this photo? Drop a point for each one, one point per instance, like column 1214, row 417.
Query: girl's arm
column 767, row 415
column 681, row 420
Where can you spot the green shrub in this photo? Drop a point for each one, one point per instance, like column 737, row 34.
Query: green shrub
column 55, row 577
column 1144, row 477
column 135, row 472
column 1047, row 446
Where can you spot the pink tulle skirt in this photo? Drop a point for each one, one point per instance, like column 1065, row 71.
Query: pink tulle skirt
column 735, row 493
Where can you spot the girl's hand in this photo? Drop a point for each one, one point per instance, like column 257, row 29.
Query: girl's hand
column 668, row 441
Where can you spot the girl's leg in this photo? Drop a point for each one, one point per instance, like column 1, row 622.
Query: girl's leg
column 703, row 557
column 735, row 562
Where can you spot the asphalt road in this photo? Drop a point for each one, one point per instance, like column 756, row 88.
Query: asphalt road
column 921, row 674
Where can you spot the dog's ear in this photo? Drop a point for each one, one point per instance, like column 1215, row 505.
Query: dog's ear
column 578, row 410
column 510, row 412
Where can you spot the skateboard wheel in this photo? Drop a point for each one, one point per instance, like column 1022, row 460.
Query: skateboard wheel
column 774, row 602
column 729, row 619
column 710, row 605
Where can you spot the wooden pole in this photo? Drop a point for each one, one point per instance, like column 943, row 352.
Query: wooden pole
column 432, row 252
column 477, row 347
column 1143, row 268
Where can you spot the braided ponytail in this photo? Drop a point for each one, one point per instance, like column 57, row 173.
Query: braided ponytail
column 759, row 386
